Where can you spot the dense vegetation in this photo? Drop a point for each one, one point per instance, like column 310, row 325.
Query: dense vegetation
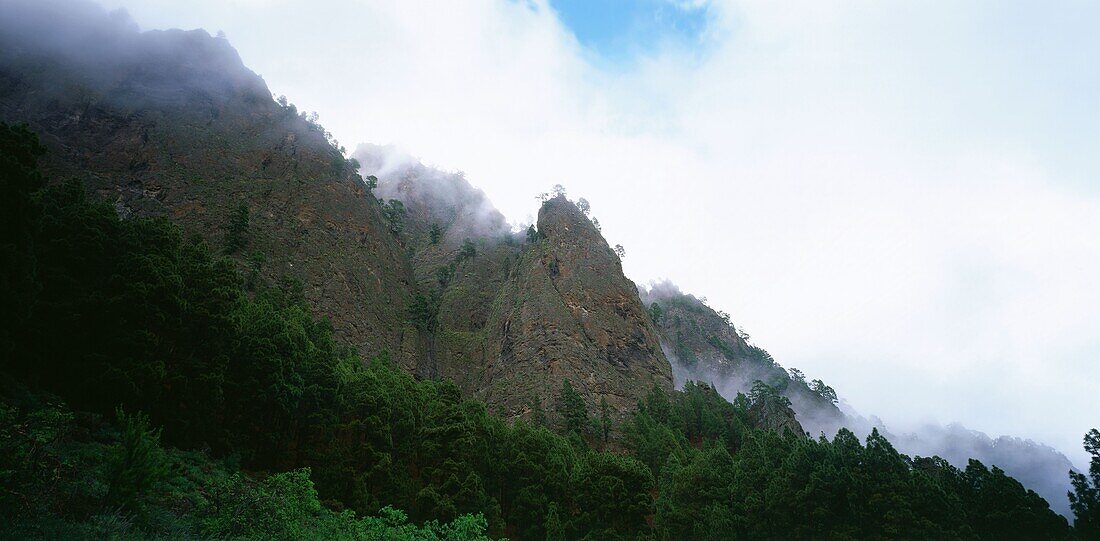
column 234, row 413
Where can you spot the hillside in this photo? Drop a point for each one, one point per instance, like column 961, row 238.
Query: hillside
column 291, row 341
column 703, row 345
column 513, row 316
column 173, row 124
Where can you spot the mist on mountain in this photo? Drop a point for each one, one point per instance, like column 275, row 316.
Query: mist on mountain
column 1038, row 466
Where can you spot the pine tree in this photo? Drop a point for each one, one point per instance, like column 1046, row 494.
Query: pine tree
column 555, row 530
column 1085, row 498
column 236, row 235
column 571, row 410
column 605, row 419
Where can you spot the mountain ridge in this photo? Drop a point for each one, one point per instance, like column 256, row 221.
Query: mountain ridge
column 173, row 124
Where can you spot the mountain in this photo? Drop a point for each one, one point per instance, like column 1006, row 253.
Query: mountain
column 700, row 343
column 515, row 317
column 571, row 314
column 172, row 123
column 533, row 382
column 703, row 345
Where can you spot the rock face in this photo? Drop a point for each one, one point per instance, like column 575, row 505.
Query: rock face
column 567, row 312
column 172, row 123
column 461, row 289
column 523, row 315
column 776, row 417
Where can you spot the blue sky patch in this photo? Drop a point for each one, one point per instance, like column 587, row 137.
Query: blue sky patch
column 619, row 30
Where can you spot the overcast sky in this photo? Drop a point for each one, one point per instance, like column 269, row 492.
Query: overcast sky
column 900, row 198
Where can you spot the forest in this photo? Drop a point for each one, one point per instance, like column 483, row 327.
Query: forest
column 153, row 388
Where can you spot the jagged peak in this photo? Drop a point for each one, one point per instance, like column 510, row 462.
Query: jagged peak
column 562, row 220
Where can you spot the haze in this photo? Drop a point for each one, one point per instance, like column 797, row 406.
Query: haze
column 901, row 199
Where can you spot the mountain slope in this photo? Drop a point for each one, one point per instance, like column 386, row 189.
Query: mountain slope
column 172, row 123
column 514, row 316
column 568, row 313
column 703, row 345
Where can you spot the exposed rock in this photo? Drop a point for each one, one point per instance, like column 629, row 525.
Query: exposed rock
column 567, row 312
column 172, row 123
column 775, row 416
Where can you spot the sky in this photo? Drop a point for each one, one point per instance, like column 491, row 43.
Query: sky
column 899, row 198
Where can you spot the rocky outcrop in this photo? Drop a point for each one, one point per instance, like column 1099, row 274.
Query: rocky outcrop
column 521, row 315
column 567, row 312
column 775, row 416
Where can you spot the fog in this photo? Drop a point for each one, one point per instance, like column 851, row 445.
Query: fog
column 94, row 55
column 438, row 196
column 1039, row 467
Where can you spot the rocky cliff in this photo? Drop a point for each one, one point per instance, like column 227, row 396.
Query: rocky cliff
column 567, row 312
column 516, row 316
column 172, row 123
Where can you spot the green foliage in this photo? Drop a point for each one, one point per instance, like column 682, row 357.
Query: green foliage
column 424, row 310
column 767, row 395
column 392, row 525
column 110, row 313
column 538, row 416
column 394, row 212
column 727, row 351
column 468, row 251
column 19, row 180
column 725, row 317
column 236, row 233
column 572, row 411
column 555, row 530
column 824, row 391
column 797, row 376
column 532, row 234
column 255, row 267
column 137, row 464
column 655, row 313
column 761, row 355
column 444, row 274
column 435, row 233
column 613, row 496
column 68, row 471
column 1085, row 498
column 605, row 420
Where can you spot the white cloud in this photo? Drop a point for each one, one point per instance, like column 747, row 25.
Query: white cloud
column 900, row 199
